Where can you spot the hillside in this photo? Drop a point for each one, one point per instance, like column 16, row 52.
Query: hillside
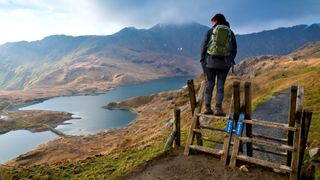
column 279, row 41
column 89, row 62
column 131, row 55
column 115, row 153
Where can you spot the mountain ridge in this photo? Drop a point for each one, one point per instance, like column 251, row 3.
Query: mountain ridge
column 162, row 50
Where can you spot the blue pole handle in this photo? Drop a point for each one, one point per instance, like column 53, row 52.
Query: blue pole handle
column 239, row 127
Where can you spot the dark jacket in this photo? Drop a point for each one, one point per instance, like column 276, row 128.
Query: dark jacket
column 209, row 61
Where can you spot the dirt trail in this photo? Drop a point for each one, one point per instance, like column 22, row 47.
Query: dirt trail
column 197, row 166
column 201, row 166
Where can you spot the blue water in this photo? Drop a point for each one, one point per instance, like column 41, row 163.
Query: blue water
column 93, row 118
column 18, row 142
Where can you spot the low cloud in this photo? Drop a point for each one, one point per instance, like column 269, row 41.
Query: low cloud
column 34, row 19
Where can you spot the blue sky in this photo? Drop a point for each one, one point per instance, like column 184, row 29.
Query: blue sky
column 35, row 19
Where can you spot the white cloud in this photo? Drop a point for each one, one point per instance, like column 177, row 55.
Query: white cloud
column 35, row 19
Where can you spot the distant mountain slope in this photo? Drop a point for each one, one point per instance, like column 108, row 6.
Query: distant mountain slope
column 280, row 41
column 128, row 56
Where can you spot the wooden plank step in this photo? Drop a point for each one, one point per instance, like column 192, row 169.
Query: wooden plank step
column 270, row 138
column 207, row 149
column 270, row 124
column 213, row 128
column 215, row 133
column 269, row 152
column 267, row 143
column 211, row 116
column 260, row 162
column 212, row 140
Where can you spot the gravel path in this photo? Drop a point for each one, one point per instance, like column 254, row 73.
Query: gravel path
column 276, row 110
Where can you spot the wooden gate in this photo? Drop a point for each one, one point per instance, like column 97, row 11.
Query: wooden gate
column 240, row 117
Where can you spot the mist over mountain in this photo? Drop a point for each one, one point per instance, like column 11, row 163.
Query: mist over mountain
column 130, row 55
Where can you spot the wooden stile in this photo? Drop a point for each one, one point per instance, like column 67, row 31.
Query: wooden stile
column 292, row 147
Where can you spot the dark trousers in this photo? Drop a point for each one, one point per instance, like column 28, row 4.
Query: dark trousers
column 213, row 76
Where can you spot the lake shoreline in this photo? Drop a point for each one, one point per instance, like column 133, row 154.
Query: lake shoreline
column 112, row 131
column 104, row 142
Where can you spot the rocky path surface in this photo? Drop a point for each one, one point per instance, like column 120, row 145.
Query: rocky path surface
column 201, row 166
column 275, row 110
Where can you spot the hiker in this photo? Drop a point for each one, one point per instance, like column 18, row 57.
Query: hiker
column 218, row 50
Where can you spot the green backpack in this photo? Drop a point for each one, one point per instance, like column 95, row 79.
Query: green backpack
column 220, row 42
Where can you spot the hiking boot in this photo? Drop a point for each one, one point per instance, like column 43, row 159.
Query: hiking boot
column 219, row 112
column 208, row 109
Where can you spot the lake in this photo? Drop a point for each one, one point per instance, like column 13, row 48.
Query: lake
column 93, row 118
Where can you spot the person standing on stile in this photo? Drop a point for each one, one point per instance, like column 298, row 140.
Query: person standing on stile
column 218, row 51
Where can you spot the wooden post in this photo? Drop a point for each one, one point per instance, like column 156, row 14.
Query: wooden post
column 227, row 139
column 296, row 143
column 235, row 151
column 170, row 140
column 176, row 126
column 236, row 100
column 300, row 99
column 291, row 119
column 192, row 95
column 236, row 106
column 305, row 126
column 248, row 114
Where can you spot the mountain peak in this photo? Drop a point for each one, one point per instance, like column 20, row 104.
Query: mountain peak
column 176, row 25
column 314, row 26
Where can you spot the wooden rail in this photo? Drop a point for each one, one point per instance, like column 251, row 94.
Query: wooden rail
column 270, row 124
column 212, row 128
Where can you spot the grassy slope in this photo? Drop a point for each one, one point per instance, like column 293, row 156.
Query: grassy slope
column 289, row 73
column 278, row 76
